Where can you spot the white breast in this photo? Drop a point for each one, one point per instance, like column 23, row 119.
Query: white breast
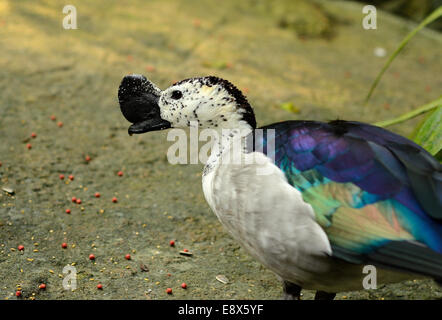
column 267, row 216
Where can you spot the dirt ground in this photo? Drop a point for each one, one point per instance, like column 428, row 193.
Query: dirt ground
column 317, row 57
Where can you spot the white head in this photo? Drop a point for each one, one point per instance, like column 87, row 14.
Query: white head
column 210, row 102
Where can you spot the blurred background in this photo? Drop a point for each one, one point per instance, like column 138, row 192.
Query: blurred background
column 293, row 59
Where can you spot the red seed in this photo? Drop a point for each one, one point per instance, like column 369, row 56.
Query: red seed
column 29, row 146
column 99, row 286
column 150, row 68
column 33, row 135
column 18, row 293
column 91, row 257
column 61, row 176
column 74, row 199
column 68, row 211
column 64, row 245
column 97, row 194
column 88, row 158
column 60, row 124
column 21, row 248
column 114, row 200
column 169, row 290
column 169, row 274
column 53, row 118
column 78, row 201
column 42, row 286
column 185, row 250
column 71, row 177
column 172, row 243
column 120, row 173
column 127, row 256
column 184, row 285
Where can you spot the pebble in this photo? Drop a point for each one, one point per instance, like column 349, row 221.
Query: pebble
column 222, row 278
column 8, row 190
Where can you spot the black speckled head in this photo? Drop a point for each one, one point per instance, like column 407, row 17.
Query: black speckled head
column 209, row 101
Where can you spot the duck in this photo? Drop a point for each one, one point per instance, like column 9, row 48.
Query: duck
column 314, row 202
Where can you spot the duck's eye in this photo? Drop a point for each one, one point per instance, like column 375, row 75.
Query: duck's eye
column 176, row 94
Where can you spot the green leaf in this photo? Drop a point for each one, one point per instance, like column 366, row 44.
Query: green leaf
column 290, row 107
column 429, row 133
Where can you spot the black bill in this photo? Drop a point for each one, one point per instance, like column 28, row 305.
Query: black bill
column 138, row 99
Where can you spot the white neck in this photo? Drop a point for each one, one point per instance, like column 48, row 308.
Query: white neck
column 227, row 140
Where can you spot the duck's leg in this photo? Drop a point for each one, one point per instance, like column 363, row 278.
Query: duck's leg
column 291, row 291
column 322, row 295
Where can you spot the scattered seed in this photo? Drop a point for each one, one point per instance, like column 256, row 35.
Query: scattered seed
column 53, row 118
column 60, row 124
column 21, row 247
column 87, row 158
column 120, row 173
column 185, row 253
column 68, row 211
column 64, row 245
column 114, row 200
column 42, row 286
column 78, row 201
column 61, row 176
column 97, row 195
column 127, row 256
column 29, row 146
column 91, row 257
column 18, row 293
column 99, row 286
column 33, row 135
column 184, row 285
column 172, row 243
column 74, row 199
column 222, row 278
column 185, row 250
column 71, row 177
column 169, row 290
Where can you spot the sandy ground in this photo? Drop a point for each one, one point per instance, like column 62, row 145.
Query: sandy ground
column 317, row 57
